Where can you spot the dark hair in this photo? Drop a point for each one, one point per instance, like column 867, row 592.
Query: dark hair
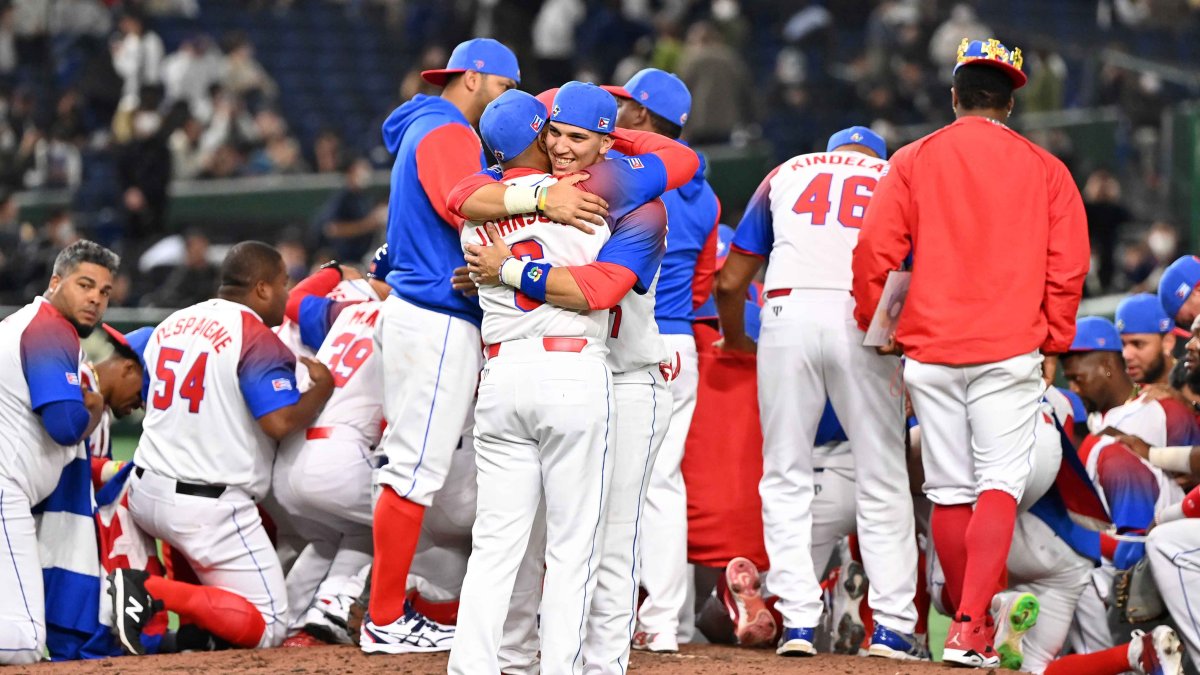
column 664, row 126
column 83, row 251
column 981, row 87
column 248, row 263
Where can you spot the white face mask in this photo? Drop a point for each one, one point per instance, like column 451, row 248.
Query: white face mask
column 145, row 123
column 1162, row 244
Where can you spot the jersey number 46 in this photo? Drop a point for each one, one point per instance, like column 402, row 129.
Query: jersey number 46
column 855, row 195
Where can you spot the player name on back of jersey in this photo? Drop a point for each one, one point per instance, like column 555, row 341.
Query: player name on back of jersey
column 366, row 315
column 508, row 225
column 845, row 159
column 208, row 328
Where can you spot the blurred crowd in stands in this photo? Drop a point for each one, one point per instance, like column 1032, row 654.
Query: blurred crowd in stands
column 93, row 102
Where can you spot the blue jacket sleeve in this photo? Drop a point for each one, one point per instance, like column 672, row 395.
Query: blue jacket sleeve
column 65, row 421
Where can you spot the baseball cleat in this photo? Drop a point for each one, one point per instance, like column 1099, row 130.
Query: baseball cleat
column 133, row 607
column 1156, row 653
column 411, row 633
column 891, row 644
column 797, row 642
column 848, row 594
column 303, row 639
column 659, row 643
column 753, row 624
column 327, row 619
column 1014, row 613
column 969, row 644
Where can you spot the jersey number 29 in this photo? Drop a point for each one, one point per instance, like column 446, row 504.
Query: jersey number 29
column 856, row 194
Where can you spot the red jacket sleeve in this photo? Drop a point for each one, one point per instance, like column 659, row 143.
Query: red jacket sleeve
column 884, row 242
column 706, row 267
column 679, row 160
column 445, row 156
column 463, row 191
column 1067, row 261
column 603, row 284
column 319, row 284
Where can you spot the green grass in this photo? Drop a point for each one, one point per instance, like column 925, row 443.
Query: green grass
column 938, row 626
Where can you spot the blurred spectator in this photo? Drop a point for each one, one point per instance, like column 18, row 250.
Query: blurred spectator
column 943, row 44
column 720, row 83
column 8, row 42
column 57, row 161
column 192, row 281
column 554, row 40
column 184, row 8
column 1046, row 90
column 328, row 153
column 144, row 166
column 9, row 238
column 432, row 58
column 137, row 57
column 244, row 75
column 1137, row 265
column 80, row 17
column 351, row 221
column 35, row 253
column 190, row 72
column 188, row 155
column 1163, row 240
column 1107, row 217
column 295, row 260
column 227, row 161
column 281, row 155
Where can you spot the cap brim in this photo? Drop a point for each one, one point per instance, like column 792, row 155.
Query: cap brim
column 115, row 334
column 1180, row 332
column 1018, row 78
column 619, row 92
column 439, row 77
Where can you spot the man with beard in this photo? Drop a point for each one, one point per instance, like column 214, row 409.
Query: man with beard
column 44, row 415
column 1147, row 339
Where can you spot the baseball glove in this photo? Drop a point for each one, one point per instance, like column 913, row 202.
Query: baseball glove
column 1136, row 594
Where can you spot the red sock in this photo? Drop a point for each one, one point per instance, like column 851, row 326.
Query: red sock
column 226, row 615
column 949, row 525
column 921, row 600
column 1112, row 661
column 444, row 612
column 866, row 616
column 988, row 539
column 397, row 528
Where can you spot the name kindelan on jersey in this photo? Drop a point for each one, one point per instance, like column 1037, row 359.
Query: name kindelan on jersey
column 824, row 158
column 509, row 225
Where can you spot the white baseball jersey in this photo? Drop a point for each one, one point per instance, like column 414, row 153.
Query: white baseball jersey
column 289, row 331
column 215, row 368
column 509, row 314
column 1159, row 423
column 806, row 214
column 40, row 357
column 348, row 349
column 633, row 338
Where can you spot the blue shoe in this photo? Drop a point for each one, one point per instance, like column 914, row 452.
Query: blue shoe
column 796, row 642
column 890, row 644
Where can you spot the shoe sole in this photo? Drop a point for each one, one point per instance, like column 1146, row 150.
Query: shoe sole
column 327, row 634
column 788, row 649
column 968, row 659
column 1022, row 616
column 117, row 590
column 1172, row 650
column 384, row 648
column 756, row 626
column 886, row 652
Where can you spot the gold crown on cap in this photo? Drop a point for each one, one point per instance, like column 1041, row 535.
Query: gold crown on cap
column 991, row 50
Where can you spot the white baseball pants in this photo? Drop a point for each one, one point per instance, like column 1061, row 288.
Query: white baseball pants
column 22, row 607
column 663, row 547
column 222, row 538
column 440, row 562
column 811, row 347
column 832, row 514
column 543, row 423
column 977, row 425
column 1174, row 551
column 431, row 365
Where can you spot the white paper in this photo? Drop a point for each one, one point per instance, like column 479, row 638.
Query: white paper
column 883, row 324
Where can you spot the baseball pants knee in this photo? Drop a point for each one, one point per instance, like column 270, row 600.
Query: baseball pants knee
column 832, row 514
column 1174, row 552
column 22, row 608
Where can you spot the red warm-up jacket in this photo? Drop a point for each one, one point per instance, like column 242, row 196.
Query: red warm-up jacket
column 999, row 241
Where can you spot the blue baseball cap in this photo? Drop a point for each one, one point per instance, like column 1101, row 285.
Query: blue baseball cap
column 512, row 123
column 662, row 93
column 585, row 105
column 380, row 265
column 483, row 55
column 1142, row 313
column 860, row 136
column 1177, row 283
column 1095, row 334
column 994, row 55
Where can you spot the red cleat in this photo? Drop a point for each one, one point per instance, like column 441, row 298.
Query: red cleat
column 754, row 625
column 969, row 643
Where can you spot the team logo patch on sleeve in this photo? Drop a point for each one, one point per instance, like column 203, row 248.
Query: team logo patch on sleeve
column 634, row 162
column 72, row 379
column 281, row 384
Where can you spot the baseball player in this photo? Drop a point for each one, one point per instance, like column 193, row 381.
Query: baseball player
column 974, row 357
column 1177, row 290
column 44, row 416
column 543, row 423
column 1147, row 338
column 806, row 215
column 336, row 515
column 637, row 358
column 658, row 101
column 222, row 392
column 1171, row 547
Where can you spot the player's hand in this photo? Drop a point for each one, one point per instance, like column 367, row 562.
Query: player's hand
column 737, row 344
column 1158, row 392
column 318, row 372
column 1049, row 368
column 350, row 273
column 93, row 401
column 461, row 281
column 483, row 262
column 569, row 205
column 1138, row 446
column 892, row 348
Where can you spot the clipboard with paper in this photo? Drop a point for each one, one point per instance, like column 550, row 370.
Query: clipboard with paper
column 887, row 312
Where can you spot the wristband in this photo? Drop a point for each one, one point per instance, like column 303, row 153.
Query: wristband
column 334, row 264
column 1177, row 458
column 510, row 271
column 541, row 200
column 519, row 199
column 533, row 280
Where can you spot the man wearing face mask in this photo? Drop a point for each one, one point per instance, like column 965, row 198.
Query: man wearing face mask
column 44, row 415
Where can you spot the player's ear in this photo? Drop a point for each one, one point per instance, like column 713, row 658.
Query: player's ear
column 606, row 143
column 471, row 80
